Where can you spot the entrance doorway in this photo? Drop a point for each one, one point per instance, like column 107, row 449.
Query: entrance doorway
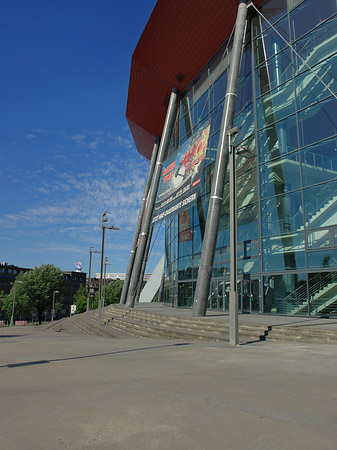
column 248, row 290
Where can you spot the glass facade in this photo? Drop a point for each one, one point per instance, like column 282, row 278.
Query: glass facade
column 286, row 185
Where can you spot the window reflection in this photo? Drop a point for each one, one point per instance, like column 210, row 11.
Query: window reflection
column 318, row 122
column 280, row 175
column 310, row 89
column 282, row 214
column 308, row 14
column 319, row 162
column 285, row 294
column 276, row 105
column 283, row 252
column 278, row 139
column 318, row 238
column 320, row 205
column 322, row 290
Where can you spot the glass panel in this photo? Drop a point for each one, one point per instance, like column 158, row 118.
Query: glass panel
column 308, row 14
column 201, row 109
column 246, row 189
column 319, row 45
column 249, row 266
column 322, row 259
column 280, row 175
column 220, row 270
column 248, row 248
column 318, row 238
column 320, row 205
column 278, row 139
column 282, row 214
column 283, row 252
column 219, row 89
column 216, row 117
column 318, row 122
column 185, row 295
column 319, row 162
column 197, row 241
column 274, row 9
column 335, row 236
column 274, row 72
column 244, row 93
column 264, row 44
column 223, row 232
column 255, row 295
column 248, row 225
column 276, row 105
column 323, row 293
column 185, row 268
column 310, row 89
column 245, row 121
column 285, row 294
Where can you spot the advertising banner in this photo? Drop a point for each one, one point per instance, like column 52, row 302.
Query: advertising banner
column 181, row 176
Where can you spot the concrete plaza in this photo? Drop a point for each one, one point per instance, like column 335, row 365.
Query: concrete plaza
column 62, row 391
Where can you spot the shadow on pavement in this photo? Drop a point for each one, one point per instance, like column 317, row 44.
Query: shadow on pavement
column 34, row 363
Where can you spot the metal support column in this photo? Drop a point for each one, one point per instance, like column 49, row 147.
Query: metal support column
column 212, row 223
column 139, row 223
column 142, row 271
column 233, row 294
column 169, row 122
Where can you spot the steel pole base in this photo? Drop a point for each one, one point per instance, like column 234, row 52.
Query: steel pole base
column 233, row 318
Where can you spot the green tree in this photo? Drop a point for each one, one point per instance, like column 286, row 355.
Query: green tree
column 113, row 292
column 81, row 299
column 22, row 307
column 35, row 292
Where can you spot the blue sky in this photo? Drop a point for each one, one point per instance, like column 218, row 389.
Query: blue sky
column 66, row 152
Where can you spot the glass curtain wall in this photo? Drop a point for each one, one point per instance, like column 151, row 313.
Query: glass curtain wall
column 287, row 183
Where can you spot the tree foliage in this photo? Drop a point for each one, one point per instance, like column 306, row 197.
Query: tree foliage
column 34, row 292
column 113, row 292
column 81, row 299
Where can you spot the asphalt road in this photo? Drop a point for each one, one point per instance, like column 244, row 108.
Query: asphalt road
column 61, row 391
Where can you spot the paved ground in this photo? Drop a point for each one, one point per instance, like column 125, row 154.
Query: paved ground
column 61, row 391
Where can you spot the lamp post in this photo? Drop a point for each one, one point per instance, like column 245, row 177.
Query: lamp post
column 52, row 311
column 233, row 294
column 13, row 305
column 89, row 278
column 104, row 281
column 111, row 227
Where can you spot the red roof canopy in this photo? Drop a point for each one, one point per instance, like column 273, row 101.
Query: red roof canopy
column 179, row 39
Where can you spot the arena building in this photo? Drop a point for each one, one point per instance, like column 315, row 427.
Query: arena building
column 256, row 80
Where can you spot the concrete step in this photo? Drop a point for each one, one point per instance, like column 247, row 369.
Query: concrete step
column 85, row 325
column 296, row 334
column 176, row 330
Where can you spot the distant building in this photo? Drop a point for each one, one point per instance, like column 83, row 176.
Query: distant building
column 73, row 280
column 8, row 274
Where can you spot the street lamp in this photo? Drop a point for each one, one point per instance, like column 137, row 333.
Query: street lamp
column 111, row 227
column 89, row 278
column 104, row 281
column 52, row 311
column 233, row 294
column 13, row 305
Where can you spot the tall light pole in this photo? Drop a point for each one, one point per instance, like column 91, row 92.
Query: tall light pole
column 104, row 281
column 13, row 305
column 111, row 227
column 53, row 308
column 233, row 294
column 89, row 278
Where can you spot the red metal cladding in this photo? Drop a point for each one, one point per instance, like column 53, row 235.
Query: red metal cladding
column 178, row 40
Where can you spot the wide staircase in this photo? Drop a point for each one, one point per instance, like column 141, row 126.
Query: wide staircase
column 118, row 322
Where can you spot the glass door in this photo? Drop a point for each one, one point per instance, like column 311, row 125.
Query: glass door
column 255, row 295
